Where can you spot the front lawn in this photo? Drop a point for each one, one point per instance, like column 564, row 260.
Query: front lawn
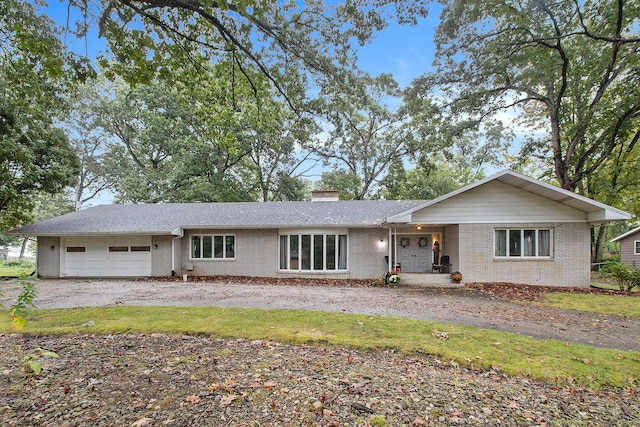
column 593, row 303
column 15, row 268
column 549, row 360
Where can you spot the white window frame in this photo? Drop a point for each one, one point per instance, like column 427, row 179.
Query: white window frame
column 213, row 257
column 636, row 247
column 340, row 266
column 522, row 232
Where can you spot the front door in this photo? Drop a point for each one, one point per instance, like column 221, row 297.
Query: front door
column 414, row 253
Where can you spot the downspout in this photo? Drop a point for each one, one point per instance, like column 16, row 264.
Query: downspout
column 180, row 235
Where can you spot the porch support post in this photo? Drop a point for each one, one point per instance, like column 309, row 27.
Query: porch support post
column 390, row 261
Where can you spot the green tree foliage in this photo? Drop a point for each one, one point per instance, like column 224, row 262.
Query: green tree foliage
column 247, row 138
column 348, row 184
column 567, row 70
column 35, row 74
column 207, row 139
column 150, row 133
column 427, row 181
column 286, row 41
column 33, row 157
column 90, row 142
column 368, row 128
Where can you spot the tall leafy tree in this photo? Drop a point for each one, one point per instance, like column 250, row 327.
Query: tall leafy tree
column 36, row 73
column 248, row 139
column 428, row 180
column 367, row 129
column 568, row 70
column 91, row 144
column 286, row 41
column 148, row 131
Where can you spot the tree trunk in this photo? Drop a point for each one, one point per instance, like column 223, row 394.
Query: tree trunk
column 23, row 248
column 598, row 237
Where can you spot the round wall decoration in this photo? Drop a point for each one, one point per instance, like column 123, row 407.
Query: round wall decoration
column 423, row 242
column 404, row 242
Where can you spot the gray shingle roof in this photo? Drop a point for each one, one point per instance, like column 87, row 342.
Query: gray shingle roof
column 161, row 219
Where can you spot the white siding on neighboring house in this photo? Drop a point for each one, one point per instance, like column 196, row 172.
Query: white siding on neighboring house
column 497, row 202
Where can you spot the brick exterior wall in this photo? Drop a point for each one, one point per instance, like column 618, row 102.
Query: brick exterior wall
column 161, row 256
column 569, row 265
column 48, row 260
column 257, row 255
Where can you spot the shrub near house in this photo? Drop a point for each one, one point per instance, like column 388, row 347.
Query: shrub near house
column 627, row 277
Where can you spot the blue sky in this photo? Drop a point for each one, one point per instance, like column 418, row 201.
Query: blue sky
column 402, row 50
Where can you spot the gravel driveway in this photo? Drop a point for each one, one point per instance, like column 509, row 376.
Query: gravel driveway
column 451, row 305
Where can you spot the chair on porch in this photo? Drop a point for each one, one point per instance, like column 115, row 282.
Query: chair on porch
column 442, row 266
column 396, row 266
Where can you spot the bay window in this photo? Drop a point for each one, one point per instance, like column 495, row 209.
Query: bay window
column 312, row 252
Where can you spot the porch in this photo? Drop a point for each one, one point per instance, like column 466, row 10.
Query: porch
column 428, row 280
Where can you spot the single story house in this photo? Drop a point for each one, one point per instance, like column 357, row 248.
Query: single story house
column 504, row 228
column 629, row 247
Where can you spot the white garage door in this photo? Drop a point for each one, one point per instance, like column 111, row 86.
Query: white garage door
column 109, row 257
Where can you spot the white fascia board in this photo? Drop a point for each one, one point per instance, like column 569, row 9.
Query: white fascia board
column 628, row 233
column 97, row 234
column 607, row 215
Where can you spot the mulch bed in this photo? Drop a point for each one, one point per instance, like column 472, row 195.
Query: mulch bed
column 513, row 291
column 290, row 281
column 508, row 291
column 163, row 380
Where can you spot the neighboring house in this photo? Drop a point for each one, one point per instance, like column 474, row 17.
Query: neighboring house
column 505, row 228
column 629, row 247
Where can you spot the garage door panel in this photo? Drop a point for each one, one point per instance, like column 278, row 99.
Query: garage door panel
column 109, row 257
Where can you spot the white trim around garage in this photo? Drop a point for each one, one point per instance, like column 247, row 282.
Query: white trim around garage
column 105, row 257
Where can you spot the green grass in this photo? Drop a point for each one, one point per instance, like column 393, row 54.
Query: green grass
column 593, row 303
column 16, row 268
column 548, row 360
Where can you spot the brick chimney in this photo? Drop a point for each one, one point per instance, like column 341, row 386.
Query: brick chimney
column 324, row 196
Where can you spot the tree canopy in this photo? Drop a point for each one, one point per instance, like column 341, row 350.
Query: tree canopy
column 568, row 70
column 286, row 41
column 36, row 73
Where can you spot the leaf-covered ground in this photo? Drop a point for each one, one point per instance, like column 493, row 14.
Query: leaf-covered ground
column 161, row 380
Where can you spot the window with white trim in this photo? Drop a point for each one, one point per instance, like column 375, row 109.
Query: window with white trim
column 213, row 246
column 523, row 243
column 313, row 252
column 636, row 247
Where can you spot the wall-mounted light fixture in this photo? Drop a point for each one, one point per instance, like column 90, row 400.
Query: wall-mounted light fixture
column 155, row 246
column 419, row 227
column 52, row 247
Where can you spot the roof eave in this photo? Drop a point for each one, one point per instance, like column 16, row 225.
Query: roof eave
column 627, row 234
